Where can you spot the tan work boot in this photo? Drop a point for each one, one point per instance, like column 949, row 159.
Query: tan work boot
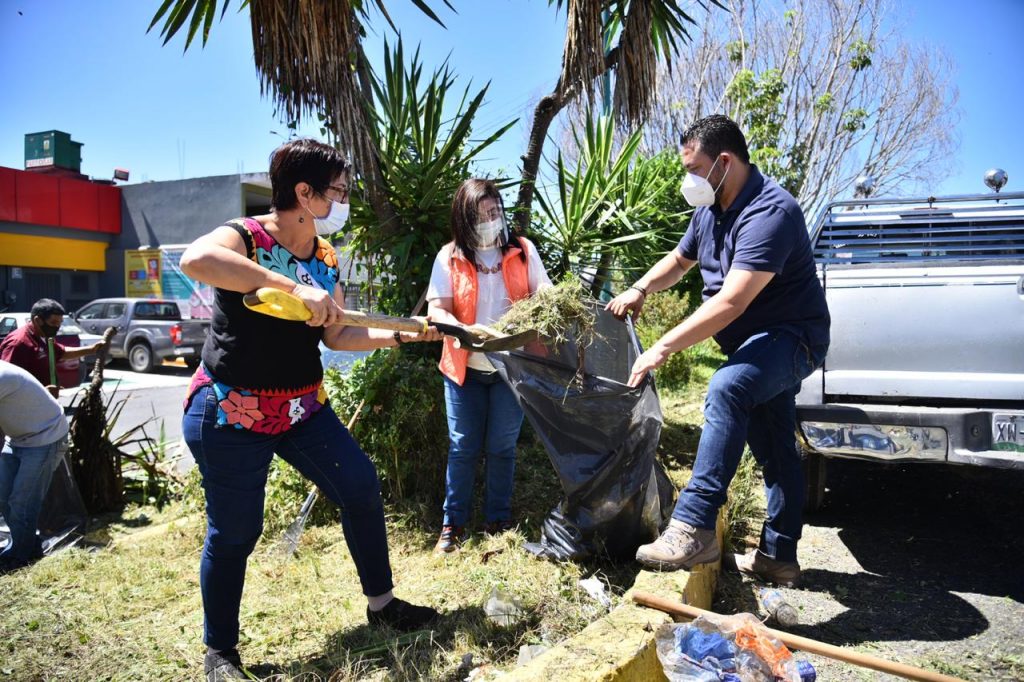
column 757, row 564
column 680, row 546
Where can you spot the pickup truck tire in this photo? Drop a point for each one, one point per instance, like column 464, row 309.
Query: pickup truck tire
column 814, row 481
column 140, row 357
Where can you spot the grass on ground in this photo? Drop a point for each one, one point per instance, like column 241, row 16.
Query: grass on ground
column 128, row 608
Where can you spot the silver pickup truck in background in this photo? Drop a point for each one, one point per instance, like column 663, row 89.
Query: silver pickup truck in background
column 148, row 330
column 927, row 355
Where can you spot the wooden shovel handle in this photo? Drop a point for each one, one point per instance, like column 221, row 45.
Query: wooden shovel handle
column 357, row 318
column 287, row 306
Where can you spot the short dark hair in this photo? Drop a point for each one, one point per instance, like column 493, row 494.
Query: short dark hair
column 465, row 214
column 303, row 160
column 46, row 307
column 716, row 134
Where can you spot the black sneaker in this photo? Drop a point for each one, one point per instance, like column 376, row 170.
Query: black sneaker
column 223, row 665
column 10, row 565
column 499, row 527
column 402, row 616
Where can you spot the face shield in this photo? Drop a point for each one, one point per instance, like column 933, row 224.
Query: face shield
column 491, row 230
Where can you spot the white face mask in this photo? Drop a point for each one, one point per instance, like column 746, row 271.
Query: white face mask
column 698, row 191
column 487, row 234
column 333, row 222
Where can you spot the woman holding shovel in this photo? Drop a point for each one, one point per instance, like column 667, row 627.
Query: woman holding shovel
column 475, row 279
column 258, row 392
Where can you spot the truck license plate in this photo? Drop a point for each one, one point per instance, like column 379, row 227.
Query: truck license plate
column 184, row 350
column 1008, row 432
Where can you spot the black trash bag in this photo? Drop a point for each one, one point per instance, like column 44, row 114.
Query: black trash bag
column 601, row 437
column 63, row 519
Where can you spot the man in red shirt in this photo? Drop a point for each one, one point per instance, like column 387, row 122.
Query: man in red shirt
column 26, row 346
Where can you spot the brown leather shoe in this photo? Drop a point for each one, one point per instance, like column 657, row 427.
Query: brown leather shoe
column 757, row 564
column 450, row 540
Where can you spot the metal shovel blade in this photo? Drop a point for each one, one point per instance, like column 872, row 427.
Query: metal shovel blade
column 481, row 342
column 509, row 342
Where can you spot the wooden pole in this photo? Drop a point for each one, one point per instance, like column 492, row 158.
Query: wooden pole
column 53, row 361
column 804, row 644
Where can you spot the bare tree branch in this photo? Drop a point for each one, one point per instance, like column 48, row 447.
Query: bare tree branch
column 858, row 98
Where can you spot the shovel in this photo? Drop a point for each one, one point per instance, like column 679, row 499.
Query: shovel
column 285, row 306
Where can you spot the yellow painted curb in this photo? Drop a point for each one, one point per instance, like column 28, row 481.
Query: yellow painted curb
column 620, row 646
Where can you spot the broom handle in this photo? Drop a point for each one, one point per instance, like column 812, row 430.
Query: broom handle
column 804, row 644
column 53, row 360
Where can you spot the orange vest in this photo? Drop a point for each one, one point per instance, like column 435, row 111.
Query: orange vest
column 514, row 271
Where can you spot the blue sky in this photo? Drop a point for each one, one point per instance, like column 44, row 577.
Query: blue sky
column 89, row 69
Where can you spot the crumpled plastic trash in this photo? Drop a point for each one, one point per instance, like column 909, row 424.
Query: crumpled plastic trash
column 597, row 590
column 696, row 652
column 502, row 608
column 768, row 648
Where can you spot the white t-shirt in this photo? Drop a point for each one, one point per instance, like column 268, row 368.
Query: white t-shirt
column 492, row 299
column 29, row 415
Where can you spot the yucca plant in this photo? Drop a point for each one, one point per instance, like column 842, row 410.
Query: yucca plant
column 614, row 209
column 423, row 133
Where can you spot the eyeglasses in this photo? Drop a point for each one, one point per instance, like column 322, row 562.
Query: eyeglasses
column 341, row 192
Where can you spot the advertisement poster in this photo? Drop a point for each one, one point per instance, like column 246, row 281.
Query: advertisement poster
column 142, row 273
column 194, row 298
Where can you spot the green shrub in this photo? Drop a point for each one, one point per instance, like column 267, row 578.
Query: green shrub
column 663, row 311
column 402, row 424
column 285, row 492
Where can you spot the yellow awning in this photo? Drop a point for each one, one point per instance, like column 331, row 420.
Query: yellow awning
column 52, row 252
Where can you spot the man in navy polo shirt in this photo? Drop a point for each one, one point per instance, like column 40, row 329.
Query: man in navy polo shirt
column 764, row 305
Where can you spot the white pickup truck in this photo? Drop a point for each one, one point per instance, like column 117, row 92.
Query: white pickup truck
column 927, row 355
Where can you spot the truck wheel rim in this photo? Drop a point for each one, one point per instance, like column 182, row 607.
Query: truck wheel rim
column 140, row 356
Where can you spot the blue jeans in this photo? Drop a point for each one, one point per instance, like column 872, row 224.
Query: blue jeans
column 483, row 418
column 234, row 465
column 752, row 399
column 25, row 475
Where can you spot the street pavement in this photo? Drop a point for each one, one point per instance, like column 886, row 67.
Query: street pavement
column 153, row 400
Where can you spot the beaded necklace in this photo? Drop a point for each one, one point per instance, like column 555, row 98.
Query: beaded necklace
column 488, row 271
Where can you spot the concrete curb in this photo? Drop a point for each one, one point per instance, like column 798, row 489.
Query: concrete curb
column 620, row 646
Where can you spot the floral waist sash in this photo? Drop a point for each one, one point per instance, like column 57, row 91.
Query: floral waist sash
column 269, row 411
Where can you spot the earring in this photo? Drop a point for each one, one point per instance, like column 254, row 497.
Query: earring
column 302, row 219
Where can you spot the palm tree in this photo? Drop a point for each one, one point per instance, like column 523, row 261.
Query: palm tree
column 309, row 57
column 646, row 30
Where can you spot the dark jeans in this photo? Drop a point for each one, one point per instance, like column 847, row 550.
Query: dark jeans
column 483, row 419
column 752, row 399
column 234, row 465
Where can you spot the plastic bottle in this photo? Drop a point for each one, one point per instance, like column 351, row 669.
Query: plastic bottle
column 798, row 670
column 806, row 670
column 778, row 608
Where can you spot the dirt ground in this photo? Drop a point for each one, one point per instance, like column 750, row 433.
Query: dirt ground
column 921, row 564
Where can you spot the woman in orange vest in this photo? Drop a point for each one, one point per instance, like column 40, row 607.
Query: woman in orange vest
column 475, row 279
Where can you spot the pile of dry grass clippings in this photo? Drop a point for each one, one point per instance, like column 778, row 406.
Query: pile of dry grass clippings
column 556, row 312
